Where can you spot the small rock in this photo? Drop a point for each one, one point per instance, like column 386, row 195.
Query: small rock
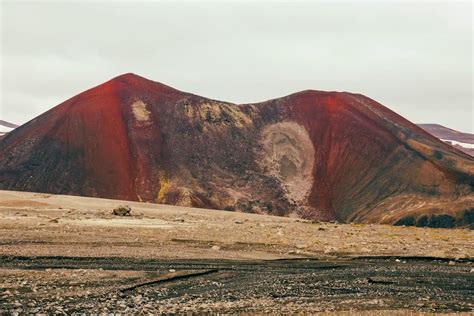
column 137, row 298
column 216, row 248
column 321, row 228
column 122, row 210
column 451, row 263
column 172, row 270
column 472, row 271
column 54, row 220
column 239, row 221
column 397, row 260
column 329, row 250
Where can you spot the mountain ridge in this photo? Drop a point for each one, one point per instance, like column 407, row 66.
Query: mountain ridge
column 311, row 154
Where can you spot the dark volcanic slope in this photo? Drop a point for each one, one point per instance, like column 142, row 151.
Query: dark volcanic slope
column 323, row 155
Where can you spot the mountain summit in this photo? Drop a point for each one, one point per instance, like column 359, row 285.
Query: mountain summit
column 313, row 154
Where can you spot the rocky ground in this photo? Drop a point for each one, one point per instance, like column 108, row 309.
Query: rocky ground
column 70, row 254
column 67, row 285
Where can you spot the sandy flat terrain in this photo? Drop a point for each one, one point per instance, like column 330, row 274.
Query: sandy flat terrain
column 65, row 254
column 42, row 224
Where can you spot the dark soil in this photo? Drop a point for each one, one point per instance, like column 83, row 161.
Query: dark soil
column 278, row 286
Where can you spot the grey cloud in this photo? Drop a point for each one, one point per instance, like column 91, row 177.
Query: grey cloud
column 414, row 57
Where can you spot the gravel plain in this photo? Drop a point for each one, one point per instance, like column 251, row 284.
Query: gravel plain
column 64, row 255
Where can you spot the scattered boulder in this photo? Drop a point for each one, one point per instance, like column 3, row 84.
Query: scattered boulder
column 423, row 221
column 406, row 221
column 122, row 210
column 468, row 218
column 442, row 221
column 433, row 221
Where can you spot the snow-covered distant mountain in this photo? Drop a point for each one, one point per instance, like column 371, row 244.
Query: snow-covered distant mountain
column 462, row 141
column 6, row 127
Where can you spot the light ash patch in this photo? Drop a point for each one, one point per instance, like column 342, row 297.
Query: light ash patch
column 140, row 112
column 288, row 155
column 215, row 114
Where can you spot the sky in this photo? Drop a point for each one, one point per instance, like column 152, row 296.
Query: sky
column 415, row 57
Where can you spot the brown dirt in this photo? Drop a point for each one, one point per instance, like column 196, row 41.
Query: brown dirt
column 86, row 227
column 72, row 255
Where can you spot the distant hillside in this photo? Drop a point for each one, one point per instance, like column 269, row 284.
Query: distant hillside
column 462, row 141
column 6, row 127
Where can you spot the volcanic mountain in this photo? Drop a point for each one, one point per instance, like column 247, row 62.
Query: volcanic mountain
column 460, row 140
column 313, row 154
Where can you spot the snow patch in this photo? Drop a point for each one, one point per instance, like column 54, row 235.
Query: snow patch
column 454, row 142
column 4, row 129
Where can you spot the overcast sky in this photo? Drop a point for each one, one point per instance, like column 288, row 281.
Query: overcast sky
column 414, row 57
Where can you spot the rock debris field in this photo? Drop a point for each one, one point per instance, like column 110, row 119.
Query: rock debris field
column 64, row 254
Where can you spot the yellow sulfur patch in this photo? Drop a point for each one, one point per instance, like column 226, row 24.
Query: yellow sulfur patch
column 164, row 185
